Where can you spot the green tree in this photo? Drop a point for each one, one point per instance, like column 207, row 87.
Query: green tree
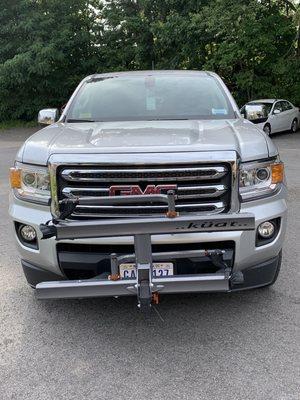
column 47, row 46
column 49, row 50
column 249, row 43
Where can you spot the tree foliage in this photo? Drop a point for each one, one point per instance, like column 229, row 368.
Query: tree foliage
column 47, row 46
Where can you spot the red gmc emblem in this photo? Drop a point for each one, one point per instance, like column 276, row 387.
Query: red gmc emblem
column 131, row 190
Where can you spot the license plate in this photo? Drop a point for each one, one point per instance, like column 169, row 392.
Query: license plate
column 128, row 271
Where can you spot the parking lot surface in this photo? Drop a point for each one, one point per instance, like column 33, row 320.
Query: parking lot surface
column 214, row 346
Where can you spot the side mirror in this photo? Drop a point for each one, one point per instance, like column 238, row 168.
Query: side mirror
column 48, row 116
column 256, row 113
column 276, row 112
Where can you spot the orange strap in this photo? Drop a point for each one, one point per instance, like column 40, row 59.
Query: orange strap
column 114, row 277
column 172, row 214
column 155, row 298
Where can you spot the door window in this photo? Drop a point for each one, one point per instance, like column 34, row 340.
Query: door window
column 278, row 106
column 287, row 106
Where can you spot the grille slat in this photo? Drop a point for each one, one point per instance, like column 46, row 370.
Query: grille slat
column 182, row 191
column 200, row 188
column 157, row 174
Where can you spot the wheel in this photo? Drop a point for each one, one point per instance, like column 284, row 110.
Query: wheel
column 294, row 126
column 267, row 129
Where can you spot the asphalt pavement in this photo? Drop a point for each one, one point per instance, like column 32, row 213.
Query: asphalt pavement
column 211, row 346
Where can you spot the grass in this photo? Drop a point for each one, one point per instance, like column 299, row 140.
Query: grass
column 17, row 124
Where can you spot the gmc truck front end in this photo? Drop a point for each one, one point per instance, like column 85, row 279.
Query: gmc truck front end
column 150, row 195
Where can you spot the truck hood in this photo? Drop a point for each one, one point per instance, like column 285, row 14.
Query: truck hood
column 148, row 137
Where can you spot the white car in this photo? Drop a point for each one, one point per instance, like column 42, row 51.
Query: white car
column 279, row 115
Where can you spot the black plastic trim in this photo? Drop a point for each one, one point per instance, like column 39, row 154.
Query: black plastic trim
column 35, row 274
column 83, row 261
column 263, row 274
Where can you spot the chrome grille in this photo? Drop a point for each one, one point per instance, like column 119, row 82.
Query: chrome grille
column 200, row 188
column 157, row 174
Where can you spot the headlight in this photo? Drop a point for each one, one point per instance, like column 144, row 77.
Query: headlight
column 260, row 179
column 30, row 182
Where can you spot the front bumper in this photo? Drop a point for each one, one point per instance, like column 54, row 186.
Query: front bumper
column 52, row 287
column 233, row 275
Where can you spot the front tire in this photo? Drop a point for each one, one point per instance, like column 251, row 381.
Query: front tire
column 294, row 126
column 267, row 129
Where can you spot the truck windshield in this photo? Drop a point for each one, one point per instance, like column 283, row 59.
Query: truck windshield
column 150, row 97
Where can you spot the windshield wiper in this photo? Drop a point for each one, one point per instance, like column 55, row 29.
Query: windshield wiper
column 80, row 120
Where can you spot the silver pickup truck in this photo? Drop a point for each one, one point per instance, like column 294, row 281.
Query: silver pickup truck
column 148, row 183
